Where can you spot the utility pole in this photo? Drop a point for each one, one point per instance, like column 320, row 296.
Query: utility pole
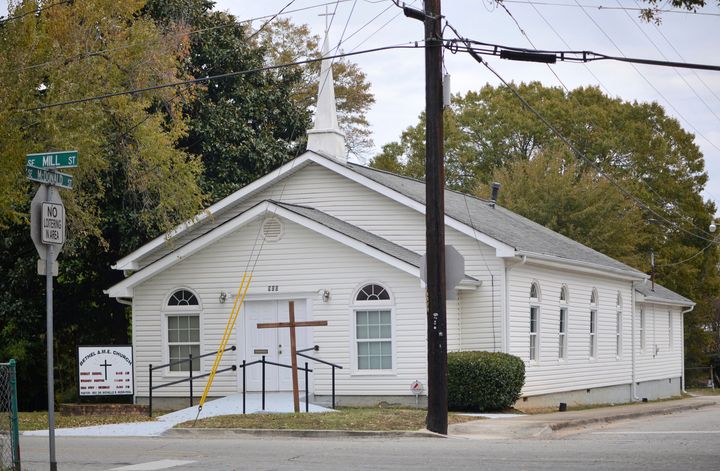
column 437, row 415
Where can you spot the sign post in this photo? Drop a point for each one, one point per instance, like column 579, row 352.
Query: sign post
column 47, row 230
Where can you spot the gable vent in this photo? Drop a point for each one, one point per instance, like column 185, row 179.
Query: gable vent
column 272, row 229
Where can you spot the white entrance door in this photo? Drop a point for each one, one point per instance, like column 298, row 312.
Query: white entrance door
column 274, row 344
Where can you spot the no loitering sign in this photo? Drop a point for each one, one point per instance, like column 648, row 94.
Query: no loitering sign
column 52, row 230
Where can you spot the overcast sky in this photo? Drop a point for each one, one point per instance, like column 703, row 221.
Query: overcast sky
column 397, row 76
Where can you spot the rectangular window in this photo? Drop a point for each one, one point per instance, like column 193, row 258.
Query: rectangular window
column 618, row 334
column 670, row 331
column 562, row 347
column 374, row 340
column 642, row 330
column 593, row 333
column 183, row 340
column 534, row 346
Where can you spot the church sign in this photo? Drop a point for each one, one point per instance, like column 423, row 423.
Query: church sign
column 105, row 370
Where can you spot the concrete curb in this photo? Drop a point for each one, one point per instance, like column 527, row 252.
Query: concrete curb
column 581, row 422
column 234, row 432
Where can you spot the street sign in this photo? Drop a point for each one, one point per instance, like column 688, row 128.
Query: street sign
column 43, row 195
column 53, row 224
column 45, row 160
column 51, row 178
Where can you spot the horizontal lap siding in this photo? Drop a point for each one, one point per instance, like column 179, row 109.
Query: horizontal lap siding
column 667, row 362
column 578, row 371
column 301, row 262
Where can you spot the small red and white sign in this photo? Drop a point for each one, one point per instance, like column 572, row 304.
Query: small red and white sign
column 416, row 388
column 105, row 371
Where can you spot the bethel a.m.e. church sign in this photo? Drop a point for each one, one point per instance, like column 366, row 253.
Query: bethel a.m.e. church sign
column 105, row 370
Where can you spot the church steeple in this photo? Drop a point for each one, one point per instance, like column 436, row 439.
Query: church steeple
column 325, row 137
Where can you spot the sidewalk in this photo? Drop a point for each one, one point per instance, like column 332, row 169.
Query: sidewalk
column 543, row 425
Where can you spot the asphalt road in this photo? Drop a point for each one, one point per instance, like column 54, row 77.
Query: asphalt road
column 681, row 441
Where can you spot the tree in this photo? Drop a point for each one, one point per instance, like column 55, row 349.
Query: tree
column 286, row 42
column 641, row 148
column 132, row 182
column 240, row 127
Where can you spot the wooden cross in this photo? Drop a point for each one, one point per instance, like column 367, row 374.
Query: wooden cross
column 293, row 348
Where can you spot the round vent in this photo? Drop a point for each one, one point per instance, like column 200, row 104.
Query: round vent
column 272, row 229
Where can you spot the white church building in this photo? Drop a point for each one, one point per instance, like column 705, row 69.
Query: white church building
column 344, row 242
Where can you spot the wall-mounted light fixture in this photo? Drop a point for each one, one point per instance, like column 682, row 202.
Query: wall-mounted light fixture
column 223, row 297
column 326, row 296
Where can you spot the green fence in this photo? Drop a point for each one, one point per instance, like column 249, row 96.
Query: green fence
column 9, row 434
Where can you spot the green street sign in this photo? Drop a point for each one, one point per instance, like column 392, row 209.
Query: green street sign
column 51, row 178
column 61, row 159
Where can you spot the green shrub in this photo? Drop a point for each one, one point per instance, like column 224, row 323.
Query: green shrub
column 484, row 381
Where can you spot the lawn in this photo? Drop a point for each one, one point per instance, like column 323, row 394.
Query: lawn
column 345, row 418
column 39, row 420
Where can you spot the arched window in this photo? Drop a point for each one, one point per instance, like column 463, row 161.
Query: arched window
column 534, row 321
column 618, row 325
column 182, row 320
column 373, row 328
column 372, row 293
column 562, row 332
column 593, row 322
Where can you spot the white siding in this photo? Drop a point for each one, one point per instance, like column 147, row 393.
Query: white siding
column 658, row 360
column 301, row 262
column 549, row 374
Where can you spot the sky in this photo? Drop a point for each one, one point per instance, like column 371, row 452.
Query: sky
column 606, row 26
column 397, row 76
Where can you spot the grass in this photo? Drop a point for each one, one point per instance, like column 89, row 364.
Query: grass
column 346, row 418
column 39, row 420
column 580, row 407
column 704, row 391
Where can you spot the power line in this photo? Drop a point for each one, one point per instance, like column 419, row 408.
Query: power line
column 602, row 7
column 697, row 254
column 216, row 77
column 87, row 55
column 575, row 150
column 531, row 43
column 33, row 12
column 697, row 131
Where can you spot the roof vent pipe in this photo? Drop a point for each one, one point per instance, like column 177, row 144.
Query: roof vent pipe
column 495, row 189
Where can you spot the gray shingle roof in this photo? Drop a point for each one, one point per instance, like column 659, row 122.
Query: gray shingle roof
column 499, row 223
column 661, row 293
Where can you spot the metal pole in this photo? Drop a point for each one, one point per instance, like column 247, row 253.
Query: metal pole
column 244, row 386
column 14, row 411
column 50, row 365
column 263, row 382
column 333, row 387
column 435, row 222
column 191, row 379
column 150, row 370
column 307, row 400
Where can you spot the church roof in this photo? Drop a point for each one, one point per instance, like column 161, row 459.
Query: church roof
column 526, row 236
column 660, row 294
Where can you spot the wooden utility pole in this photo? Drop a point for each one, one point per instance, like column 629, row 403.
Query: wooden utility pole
column 437, row 416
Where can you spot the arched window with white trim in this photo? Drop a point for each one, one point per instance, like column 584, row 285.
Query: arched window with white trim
column 373, row 318
column 534, row 321
column 562, row 328
column 182, row 325
column 593, row 322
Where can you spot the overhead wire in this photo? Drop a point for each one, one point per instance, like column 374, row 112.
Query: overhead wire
column 522, row 31
column 612, row 41
column 638, row 201
column 602, row 7
column 36, row 11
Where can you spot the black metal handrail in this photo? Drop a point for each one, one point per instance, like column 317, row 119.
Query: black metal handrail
column 190, row 377
column 316, row 348
column 264, row 362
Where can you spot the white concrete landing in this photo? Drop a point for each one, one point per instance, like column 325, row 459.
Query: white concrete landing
column 276, row 402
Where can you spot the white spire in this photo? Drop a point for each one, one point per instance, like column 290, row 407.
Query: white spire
column 325, row 137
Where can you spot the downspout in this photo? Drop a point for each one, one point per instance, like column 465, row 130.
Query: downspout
column 125, row 301
column 506, row 317
column 682, row 346
column 633, row 385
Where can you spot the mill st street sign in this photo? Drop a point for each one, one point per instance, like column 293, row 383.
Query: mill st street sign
column 60, row 159
column 51, row 178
